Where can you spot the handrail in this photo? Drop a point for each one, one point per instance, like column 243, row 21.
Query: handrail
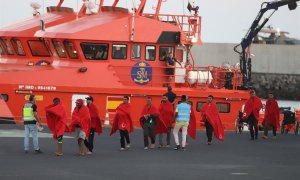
column 190, row 25
column 216, row 77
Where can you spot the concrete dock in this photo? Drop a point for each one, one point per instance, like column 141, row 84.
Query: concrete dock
column 236, row 158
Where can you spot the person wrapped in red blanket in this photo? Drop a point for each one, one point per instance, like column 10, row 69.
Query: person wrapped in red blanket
column 166, row 114
column 123, row 123
column 95, row 124
column 151, row 123
column 211, row 118
column 56, row 120
column 251, row 112
column 81, row 121
column 271, row 118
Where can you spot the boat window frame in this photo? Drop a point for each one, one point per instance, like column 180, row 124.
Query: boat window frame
column 159, row 53
column 154, row 53
column 140, row 54
column 218, row 106
column 15, row 46
column 43, row 42
column 6, row 45
column 93, row 43
column 71, row 57
column 2, row 50
column 5, row 97
column 199, row 107
column 112, row 51
column 221, row 103
column 62, row 46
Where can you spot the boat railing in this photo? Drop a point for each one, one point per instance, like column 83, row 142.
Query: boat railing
column 190, row 25
column 197, row 76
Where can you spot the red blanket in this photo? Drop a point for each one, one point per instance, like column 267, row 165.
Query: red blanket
column 122, row 120
column 166, row 113
column 253, row 105
column 211, row 114
column 160, row 125
column 56, row 119
column 192, row 125
column 95, row 119
column 81, row 118
column 272, row 113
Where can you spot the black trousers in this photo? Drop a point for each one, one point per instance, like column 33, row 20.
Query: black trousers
column 124, row 135
column 209, row 131
column 89, row 143
column 253, row 125
column 149, row 131
column 266, row 129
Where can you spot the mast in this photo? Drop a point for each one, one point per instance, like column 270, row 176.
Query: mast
column 60, row 3
column 101, row 5
column 141, row 7
column 158, row 9
column 115, row 3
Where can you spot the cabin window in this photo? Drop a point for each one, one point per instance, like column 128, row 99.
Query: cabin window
column 223, row 107
column 1, row 50
column 18, row 47
column 71, row 50
column 164, row 50
column 38, row 48
column 7, row 46
column 94, row 51
column 150, row 53
column 119, row 51
column 59, row 48
column 4, row 97
column 136, row 52
column 199, row 105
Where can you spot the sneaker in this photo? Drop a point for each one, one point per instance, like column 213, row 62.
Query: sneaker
column 168, row 146
column 26, row 151
column 160, row 146
column 128, row 146
column 122, row 149
column 183, row 149
column 152, row 146
column 264, row 137
column 177, row 147
column 146, row 148
column 59, row 154
column 89, row 153
column 38, row 151
column 208, row 143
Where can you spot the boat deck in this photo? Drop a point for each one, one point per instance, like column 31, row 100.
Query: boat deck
column 236, row 158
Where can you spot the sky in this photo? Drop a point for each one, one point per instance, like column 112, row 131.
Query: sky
column 223, row 21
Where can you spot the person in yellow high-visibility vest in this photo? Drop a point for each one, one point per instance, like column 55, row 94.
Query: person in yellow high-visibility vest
column 31, row 121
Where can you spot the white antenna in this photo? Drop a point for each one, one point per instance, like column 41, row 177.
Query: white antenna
column 89, row 7
column 35, row 6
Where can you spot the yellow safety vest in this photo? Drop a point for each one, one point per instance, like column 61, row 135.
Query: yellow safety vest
column 28, row 112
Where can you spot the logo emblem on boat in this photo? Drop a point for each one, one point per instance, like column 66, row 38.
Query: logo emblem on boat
column 141, row 73
column 42, row 63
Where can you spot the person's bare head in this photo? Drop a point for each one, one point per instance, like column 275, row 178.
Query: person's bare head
column 164, row 99
column 210, row 98
column 56, row 101
column 125, row 99
column 252, row 93
column 271, row 95
column 149, row 100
